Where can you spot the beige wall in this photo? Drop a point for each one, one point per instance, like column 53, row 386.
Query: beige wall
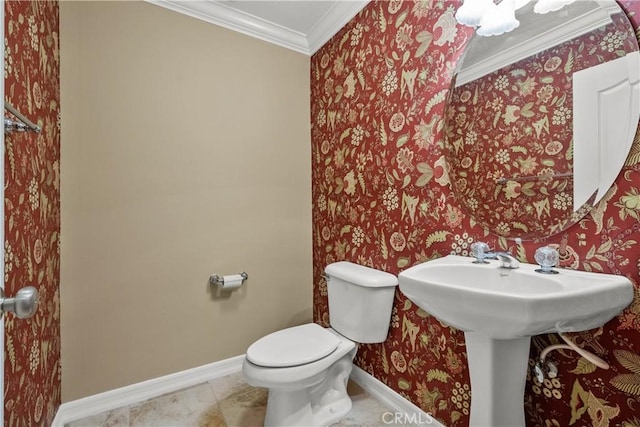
column 185, row 152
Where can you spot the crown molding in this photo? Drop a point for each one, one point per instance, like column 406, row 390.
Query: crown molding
column 337, row 17
column 220, row 14
column 568, row 30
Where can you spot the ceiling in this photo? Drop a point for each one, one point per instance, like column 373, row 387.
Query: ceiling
column 536, row 33
column 303, row 26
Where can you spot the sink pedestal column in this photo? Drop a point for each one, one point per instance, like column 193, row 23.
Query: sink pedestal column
column 498, row 371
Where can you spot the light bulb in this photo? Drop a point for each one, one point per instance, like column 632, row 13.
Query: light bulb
column 472, row 11
column 546, row 6
column 500, row 20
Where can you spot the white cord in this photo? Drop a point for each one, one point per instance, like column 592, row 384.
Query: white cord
column 584, row 353
column 570, row 345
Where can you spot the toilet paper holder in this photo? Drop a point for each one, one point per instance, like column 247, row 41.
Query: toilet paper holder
column 219, row 280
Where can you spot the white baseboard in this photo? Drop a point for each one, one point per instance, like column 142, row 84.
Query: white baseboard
column 404, row 412
column 112, row 399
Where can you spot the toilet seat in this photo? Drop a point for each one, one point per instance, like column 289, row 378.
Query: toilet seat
column 294, row 346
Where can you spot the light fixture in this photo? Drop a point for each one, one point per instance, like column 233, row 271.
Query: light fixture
column 546, row 6
column 500, row 20
column 491, row 19
column 472, row 11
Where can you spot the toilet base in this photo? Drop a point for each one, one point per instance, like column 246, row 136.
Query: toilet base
column 293, row 408
column 319, row 405
column 287, row 408
column 306, row 395
column 311, row 394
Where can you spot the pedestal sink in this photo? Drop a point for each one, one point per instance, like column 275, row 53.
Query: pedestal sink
column 499, row 310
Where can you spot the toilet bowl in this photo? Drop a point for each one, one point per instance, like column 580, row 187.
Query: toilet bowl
column 306, row 368
column 307, row 383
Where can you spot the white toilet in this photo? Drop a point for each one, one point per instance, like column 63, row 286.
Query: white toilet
column 306, row 368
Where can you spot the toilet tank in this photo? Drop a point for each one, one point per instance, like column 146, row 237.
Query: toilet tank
column 360, row 301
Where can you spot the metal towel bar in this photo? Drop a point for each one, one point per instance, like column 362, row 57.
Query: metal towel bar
column 543, row 177
column 19, row 126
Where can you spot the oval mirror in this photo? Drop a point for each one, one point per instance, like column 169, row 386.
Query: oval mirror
column 540, row 120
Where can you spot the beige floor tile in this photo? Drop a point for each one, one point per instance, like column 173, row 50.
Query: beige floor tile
column 115, row 418
column 225, row 402
column 180, row 409
column 212, row 417
column 225, row 386
column 246, row 406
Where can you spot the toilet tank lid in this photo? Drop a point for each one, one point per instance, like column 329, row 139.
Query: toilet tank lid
column 361, row 275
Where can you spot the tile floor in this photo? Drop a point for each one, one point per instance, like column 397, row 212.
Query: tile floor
column 224, row 402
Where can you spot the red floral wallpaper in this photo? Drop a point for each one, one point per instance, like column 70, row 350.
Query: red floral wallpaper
column 32, row 212
column 517, row 123
column 382, row 198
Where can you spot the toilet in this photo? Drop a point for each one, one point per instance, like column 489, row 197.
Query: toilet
column 306, row 367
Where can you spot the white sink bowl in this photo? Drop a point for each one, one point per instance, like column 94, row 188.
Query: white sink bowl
column 502, row 303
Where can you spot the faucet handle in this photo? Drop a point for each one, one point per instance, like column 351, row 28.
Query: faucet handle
column 480, row 250
column 547, row 258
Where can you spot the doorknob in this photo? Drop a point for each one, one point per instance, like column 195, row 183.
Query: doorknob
column 23, row 305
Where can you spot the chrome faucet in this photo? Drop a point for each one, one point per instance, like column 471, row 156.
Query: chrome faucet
column 547, row 257
column 506, row 259
column 481, row 252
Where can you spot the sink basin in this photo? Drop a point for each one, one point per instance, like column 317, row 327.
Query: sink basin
column 499, row 310
column 503, row 303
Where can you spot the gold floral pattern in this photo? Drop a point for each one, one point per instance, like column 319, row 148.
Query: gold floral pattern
column 32, row 212
column 381, row 197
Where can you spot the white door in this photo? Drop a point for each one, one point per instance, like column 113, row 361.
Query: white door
column 605, row 119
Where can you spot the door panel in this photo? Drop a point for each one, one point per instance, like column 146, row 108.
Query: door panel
column 605, row 106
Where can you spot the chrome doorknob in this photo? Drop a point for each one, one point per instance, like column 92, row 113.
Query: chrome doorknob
column 23, row 305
